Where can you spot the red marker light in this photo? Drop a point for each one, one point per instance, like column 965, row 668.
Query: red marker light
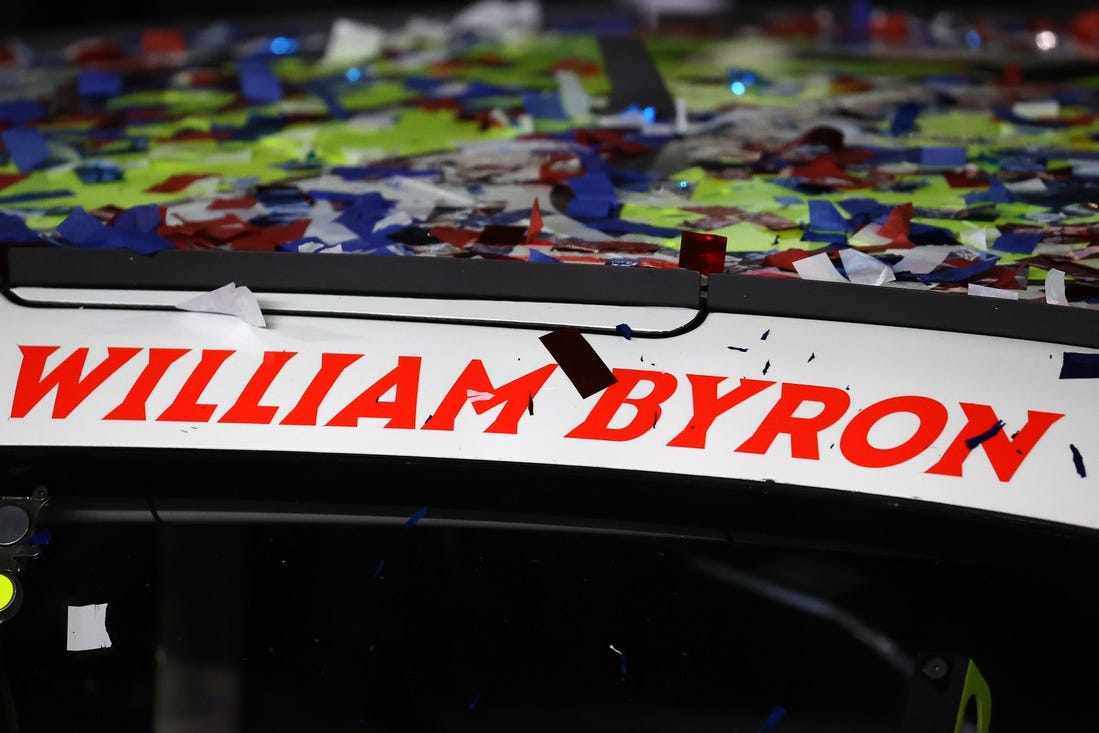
column 704, row 253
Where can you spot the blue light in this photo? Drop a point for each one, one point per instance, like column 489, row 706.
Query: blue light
column 973, row 39
column 281, row 45
column 354, row 74
column 738, row 88
column 747, row 78
column 683, row 184
column 649, row 114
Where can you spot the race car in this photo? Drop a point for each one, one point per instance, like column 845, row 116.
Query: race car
column 474, row 374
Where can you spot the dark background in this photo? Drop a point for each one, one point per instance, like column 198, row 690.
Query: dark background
column 23, row 17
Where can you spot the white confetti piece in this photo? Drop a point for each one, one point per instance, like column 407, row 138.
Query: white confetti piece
column 87, row 628
column 818, row 267
column 229, row 300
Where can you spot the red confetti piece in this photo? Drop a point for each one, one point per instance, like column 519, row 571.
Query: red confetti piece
column 162, row 41
column 966, row 179
column 6, row 179
column 454, row 236
column 824, row 171
column 784, row 260
column 535, row 226
column 267, row 238
column 582, row 67
column 176, row 183
column 897, row 225
column 238, row 202
column 219, row 230
column 579, row 361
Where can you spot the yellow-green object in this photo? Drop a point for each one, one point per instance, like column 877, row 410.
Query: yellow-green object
column 7, row 591
column 975, row 688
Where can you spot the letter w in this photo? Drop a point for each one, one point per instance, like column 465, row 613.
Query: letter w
column 31, row 385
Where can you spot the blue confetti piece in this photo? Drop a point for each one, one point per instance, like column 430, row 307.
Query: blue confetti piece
column 1075, row 365
column 594, row 196
column 861, row 13
column 976, row 440
column 27, row 147
column 590, row 162
column 44, row 536
column 98, row 172
column 420, row 514
column 957, row 274
column 624, row 331
column 306, row 245
column 422, row 83
column 788, row 200
column 943, row 157
column 823, row 215
column 473, row 702
column 1017, row 242
column 997, row 193
column 904, row 117
column 20, row 112
column 141, row 218
column 378, row 570
column 282, row 198
column 812, row 235
column 100, row 84
column 773, row 719
column 865, row 207
column 14, row 230
column 587, row 209
column 84, row 230
column 537, row 256
column 636, row 180
column 81, row 228
column 921, row 234
column 1078, row 461
column 258, row 84
column 621, row 226
column 544, row 106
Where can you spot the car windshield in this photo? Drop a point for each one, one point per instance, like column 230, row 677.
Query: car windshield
column 654, row 606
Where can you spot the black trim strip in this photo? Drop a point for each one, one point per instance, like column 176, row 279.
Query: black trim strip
column 183, row 511
column 689, row 325
column 795, row 298
column 426, row 277
column 104, row 482
column 420, row 277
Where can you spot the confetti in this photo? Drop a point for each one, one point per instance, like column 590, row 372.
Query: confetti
column 500, row 152
column 416, row 517
column 1078, row 461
